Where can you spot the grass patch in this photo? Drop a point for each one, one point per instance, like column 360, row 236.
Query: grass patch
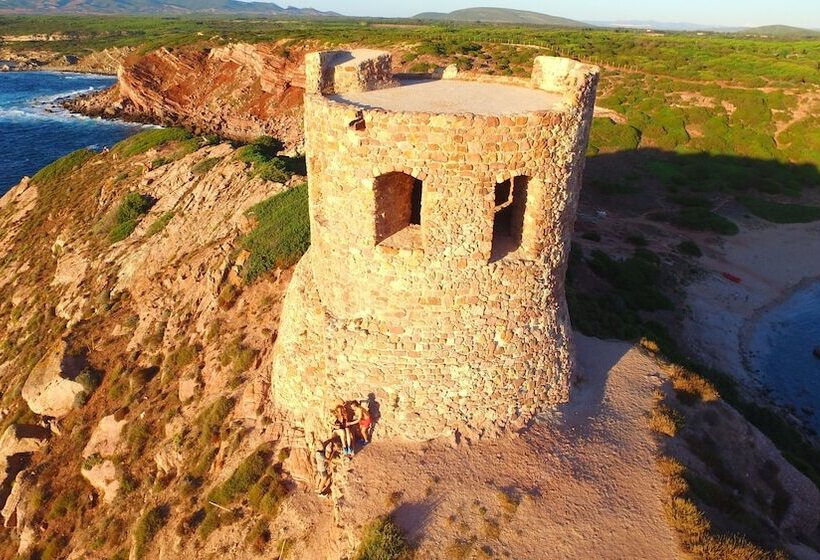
column 255, row 479
column 147, row 528
column 281, row 235
column 130, row 211
column 699, row 219
column 63, row 166
column 780, row 213
column 205, row 165
column 266, row 164
column 154, row 138
column 383, row 540
column 159, row 224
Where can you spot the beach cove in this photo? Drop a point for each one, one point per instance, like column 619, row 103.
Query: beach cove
column 762, row 328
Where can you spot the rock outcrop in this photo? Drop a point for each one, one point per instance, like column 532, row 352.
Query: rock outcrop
column 17, row 444
column 238, row 91
column 50, row 389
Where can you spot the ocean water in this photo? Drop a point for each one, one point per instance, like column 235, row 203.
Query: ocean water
column 781, row 353
column 35, row 130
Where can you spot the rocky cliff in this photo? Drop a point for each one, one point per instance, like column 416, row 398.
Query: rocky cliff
column 238, row 91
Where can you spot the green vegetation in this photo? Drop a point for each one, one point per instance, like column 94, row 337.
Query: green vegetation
column 690, row 248
column 63, row 166
column 128, row 215
column 147, row 528
column 205, row 165
column 265, row 163
column 780, row 213
column 159, row 224
column 699, row 219
column 154, row 138
column 383, row 540
column 255, row 479
column 282, row 232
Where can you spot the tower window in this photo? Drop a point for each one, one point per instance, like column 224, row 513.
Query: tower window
column 398, row 198
column 508, row 216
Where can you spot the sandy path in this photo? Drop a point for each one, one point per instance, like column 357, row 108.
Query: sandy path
column 585, row 477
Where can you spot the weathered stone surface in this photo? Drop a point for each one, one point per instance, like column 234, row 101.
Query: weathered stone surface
column 105, row 440
column 455, row 318
column 298, row 464
column 104, row 478
column 17, row 444
column 50, row 389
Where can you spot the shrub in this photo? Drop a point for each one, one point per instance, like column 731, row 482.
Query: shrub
column 780, row 213
column 154, row 138
column 665, row 420
column 90, row 380
column 63, row 166
column 238, row 356
column 147, row 528
column 282, row 232
column 689, row 386
column 591, row 236
column 181, row 357
column 637, row 239
column 690, row 248
column 382, row 540
column 159, row 224
column 128, row 214
column 700, row 219
column 209, row 422
column 261, row 154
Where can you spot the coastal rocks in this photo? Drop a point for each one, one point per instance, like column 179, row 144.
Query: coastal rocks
column 254, row 90
column 50, row 389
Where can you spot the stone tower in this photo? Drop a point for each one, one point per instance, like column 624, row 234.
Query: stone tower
column 441, row 212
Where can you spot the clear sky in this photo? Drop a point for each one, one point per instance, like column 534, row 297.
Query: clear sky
column 800, row 13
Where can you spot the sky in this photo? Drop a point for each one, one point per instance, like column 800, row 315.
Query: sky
column 800, row 13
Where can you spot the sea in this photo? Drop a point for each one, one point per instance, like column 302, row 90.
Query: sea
column 782, row 344
column 35, row 130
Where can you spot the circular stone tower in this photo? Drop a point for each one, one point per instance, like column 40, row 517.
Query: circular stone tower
column 441, row 212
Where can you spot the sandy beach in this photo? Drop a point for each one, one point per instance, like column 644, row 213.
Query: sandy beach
column 771, row 262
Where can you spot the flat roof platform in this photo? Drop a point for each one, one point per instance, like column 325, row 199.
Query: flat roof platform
column 454, row 96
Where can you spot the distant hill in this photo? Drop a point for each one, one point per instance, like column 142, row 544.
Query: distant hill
column 501, row 15
column 152, row 6
column 780, row 31
column 666, row 25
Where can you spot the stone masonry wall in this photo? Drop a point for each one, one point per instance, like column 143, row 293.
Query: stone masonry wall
column 442, row 334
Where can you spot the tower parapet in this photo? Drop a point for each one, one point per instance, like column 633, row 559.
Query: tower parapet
column 441, row 214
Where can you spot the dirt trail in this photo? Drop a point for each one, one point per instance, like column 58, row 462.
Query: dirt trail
column 584, row 478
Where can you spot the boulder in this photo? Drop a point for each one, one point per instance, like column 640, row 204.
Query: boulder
column 103, row 477
column 50, row 389
column 105, row 439
column 17, row 444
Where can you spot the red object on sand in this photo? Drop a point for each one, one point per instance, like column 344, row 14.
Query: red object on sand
column 731, row 277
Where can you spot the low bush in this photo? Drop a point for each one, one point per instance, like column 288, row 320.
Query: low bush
column 63, row 166
column 383, row 540
column 154, row 138
column 183, row 356
column 238, row 356
column 699, row 219
column 128, row 214
column 262, row 155
column 147, row 528
column 690, row 248
column 281, row 235
column 780, row 213
column 591, row 236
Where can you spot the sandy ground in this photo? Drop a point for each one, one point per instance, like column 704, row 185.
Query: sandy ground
column 771, row 262
column 583, row 479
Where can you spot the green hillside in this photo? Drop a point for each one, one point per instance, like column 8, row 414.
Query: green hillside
column 501, row 15
column 779, row 31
